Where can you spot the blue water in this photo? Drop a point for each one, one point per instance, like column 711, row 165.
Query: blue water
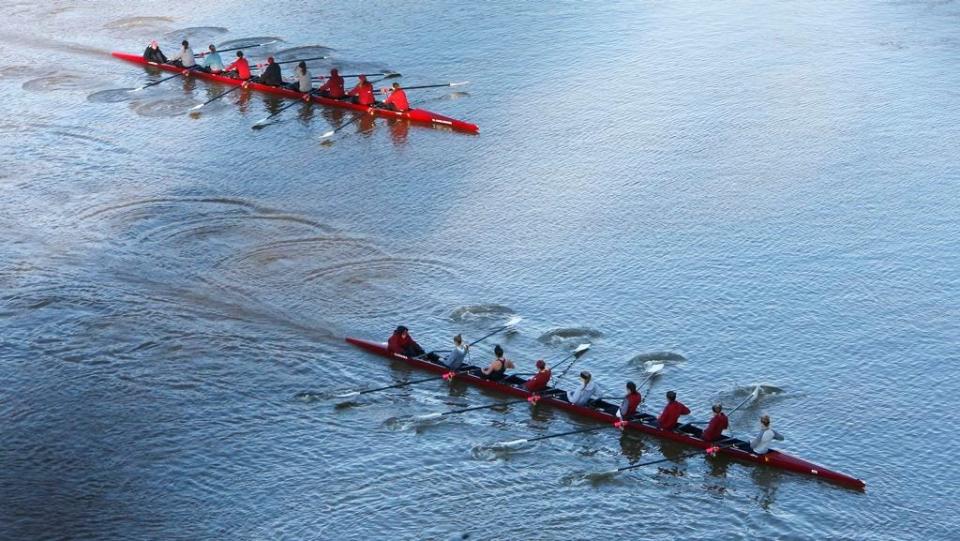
column 760, row 193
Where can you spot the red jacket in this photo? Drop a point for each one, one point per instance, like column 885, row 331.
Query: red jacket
column 333, row 87
column 631, row 402
column 398, row 98
column 671, row 413
column 716, row 427
column 538, row 382
column 399, row 344
column 242, row 67
column 364, row 93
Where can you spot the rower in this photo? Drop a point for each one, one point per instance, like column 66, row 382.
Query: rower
column 672, row 412
column 540, row 380
column 362, row 94
column 333, row 88
column 455, row 358
column 184, row 58
column 397, row 100
column 630, row 403
column 718, row 423
column 760, row 445
column 584, row 394
column 497, row 369
column 153, row 53
column 271, row 74
column 401, row 342
column 239, row 69
column 301, row 77
column 212, row 63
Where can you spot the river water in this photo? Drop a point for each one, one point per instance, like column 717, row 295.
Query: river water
column 753, row 192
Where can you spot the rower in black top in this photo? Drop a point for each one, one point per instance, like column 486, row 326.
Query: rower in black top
column 271, row 74
column 498, row 367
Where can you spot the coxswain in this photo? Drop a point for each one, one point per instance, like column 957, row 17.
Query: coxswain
column 184, row 58
column 672, row 412
column 333, row 88
column 540, row 380
column 401, row 342
column 397, row 100
column 153, row 53
column 271, row 74
column 586, row 392
column 760, row 445
column 630, row 402
column 497, row 369
column 301, row 75
column 718, row 423
column 362, row 94
column 454, row 359
column 239, row 69
column 212, row 63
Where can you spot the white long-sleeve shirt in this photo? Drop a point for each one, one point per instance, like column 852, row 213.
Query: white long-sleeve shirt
column 585, row 393
column 761, row 443
column 185, row 57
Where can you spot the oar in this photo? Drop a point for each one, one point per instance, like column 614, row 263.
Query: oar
column 753, row 396
column 517, row 443
column 215, row 98
column 709, row 450
column 260, row 124
column 533, row 399
column 418, row 87
column 354, row 120
column 205, row 53
column 295, row 61
column 446, row 375
column 386, row 75
column 148, row 85
column 512, row 322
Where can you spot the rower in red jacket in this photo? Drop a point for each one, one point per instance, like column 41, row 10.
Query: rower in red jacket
column 362, row 94
column 333, row 88
column 718, row 424
column 540, row 380
column 672, row 412
column 397, row 100
column 630, row 402
column 401, row 342
column 240, row 69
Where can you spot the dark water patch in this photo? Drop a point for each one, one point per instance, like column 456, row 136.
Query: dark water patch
column 143, row 22
column 481, row 312
column 292, row 250
column 25, row 71
column 112, row 95
column 569, row 336
column 162, row 108
column 61, row 81
column 665, row 357
column 306, row 51
column 197, row 35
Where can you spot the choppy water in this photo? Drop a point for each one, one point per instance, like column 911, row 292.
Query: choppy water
column 749, row 192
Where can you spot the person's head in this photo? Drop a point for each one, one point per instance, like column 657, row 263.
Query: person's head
column 631, row 387
column 154, row 44
column 497, row 350
column 541, row 364
column 671, row 396
column 269, row 60
column 334, row 72
column 585, row 376
column 458, row 340
column 302, row 65
column 765, row 421
column 239, row 54
column 213, row 48
column 717, row 408
column 401, row 331
column 362, row 78
column 185, row 43
column 396, row 86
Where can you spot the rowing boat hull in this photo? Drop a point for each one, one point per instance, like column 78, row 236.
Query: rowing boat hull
column 647, row 423
column 421, row 116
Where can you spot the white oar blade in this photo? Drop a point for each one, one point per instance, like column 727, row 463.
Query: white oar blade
column 325, row 135
column 513, row 321
column 581, row 348
column 197, row 107
column 655, row 368
column 461, row 83
column 138, row 89
column 428, row 417
column 348, row 395
column 510, row 444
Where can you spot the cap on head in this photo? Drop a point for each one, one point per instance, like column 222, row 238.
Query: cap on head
column 497, row 350
column 631, row 386
column 541, row 364
column 585, row 375
column 671, row 395
column 718, row 407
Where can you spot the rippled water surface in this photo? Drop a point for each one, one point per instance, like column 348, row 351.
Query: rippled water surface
column 746, row 192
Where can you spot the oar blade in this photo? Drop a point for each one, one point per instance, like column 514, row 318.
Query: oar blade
column 513, row 321
column 461, row 83
column 351, row 394
column 428, row 417
column 581, row 349
column 327, row 134
column 654, row 368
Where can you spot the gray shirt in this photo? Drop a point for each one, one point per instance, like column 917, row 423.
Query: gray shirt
column 761, row 443
column 585, row 393
column 455, row 358
column 303, row 79
column 185, row 57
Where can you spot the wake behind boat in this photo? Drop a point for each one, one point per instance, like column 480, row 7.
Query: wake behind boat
column 606, row 412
